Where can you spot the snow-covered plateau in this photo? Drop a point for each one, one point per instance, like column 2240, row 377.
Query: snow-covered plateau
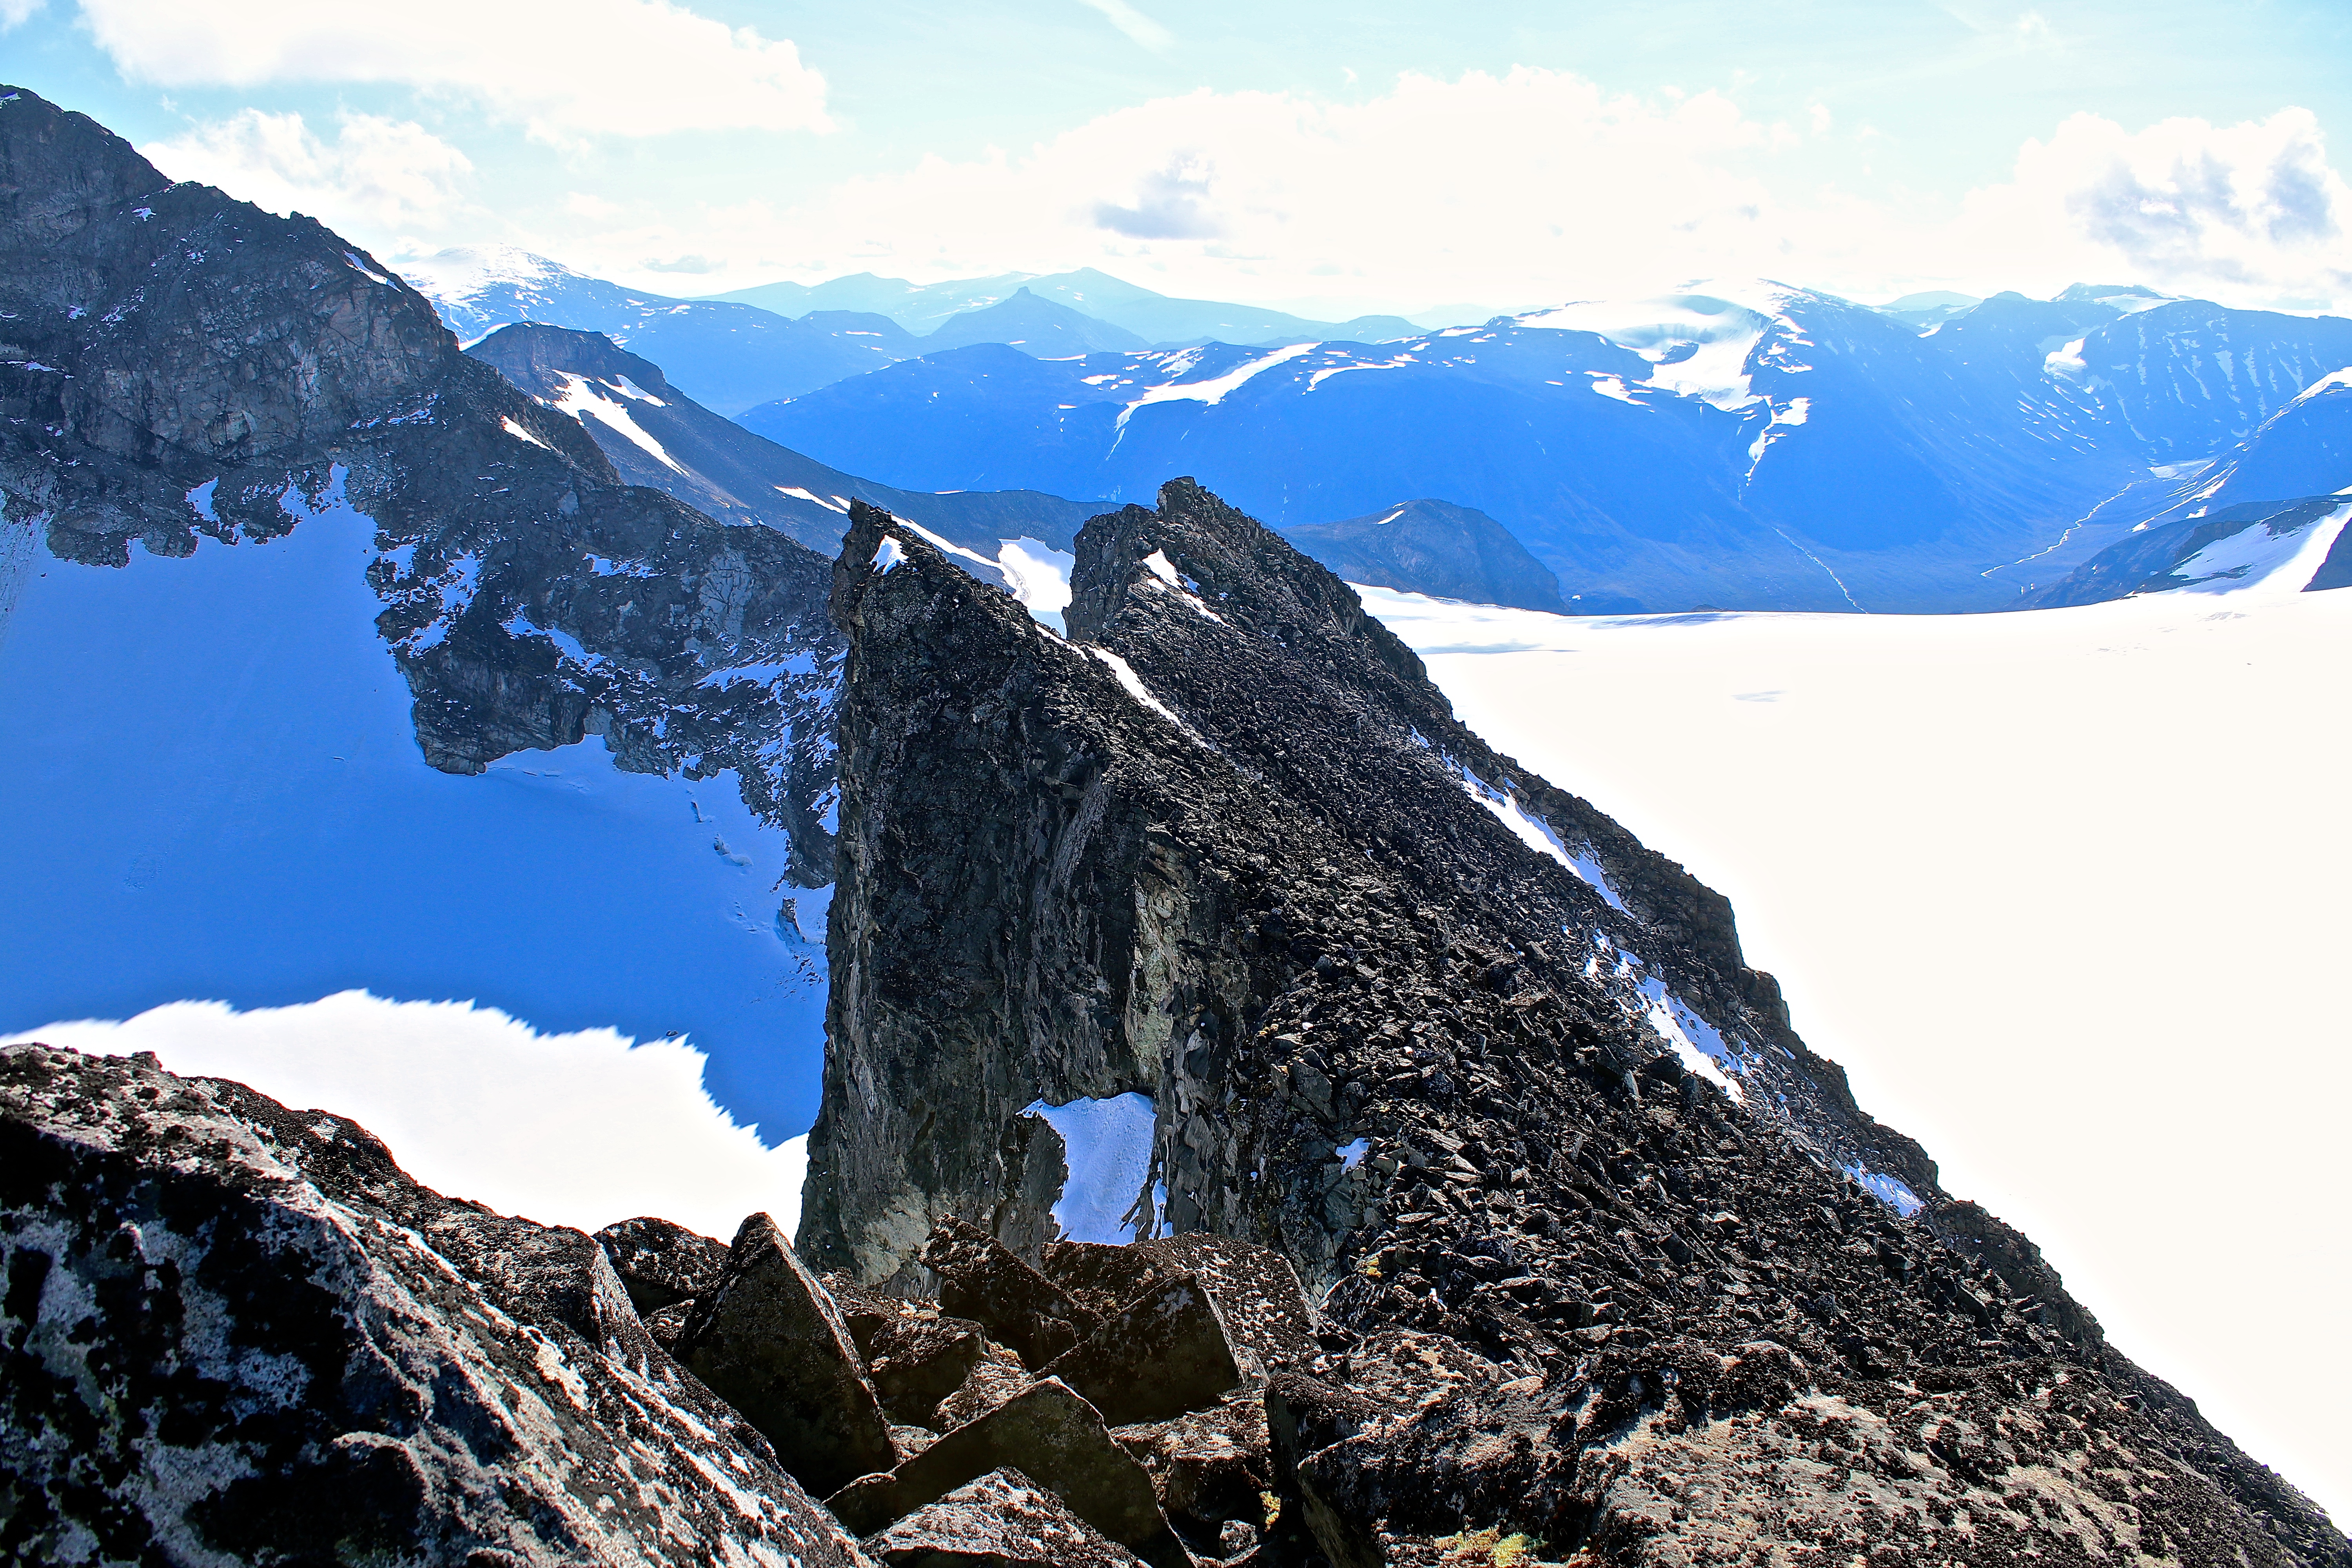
column 2095, row 851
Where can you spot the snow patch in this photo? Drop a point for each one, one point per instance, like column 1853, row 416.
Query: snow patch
column 2254, row 557
column 1885, row 1189
column 582, row 401
column 1107, row 1146
column 520, row 434
column 1039, row 576
column 1214, row 390
column 890, row 556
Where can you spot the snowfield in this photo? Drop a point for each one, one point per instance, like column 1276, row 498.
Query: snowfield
column 2063, row 890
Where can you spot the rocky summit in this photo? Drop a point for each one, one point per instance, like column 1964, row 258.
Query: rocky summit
column 1262, row 1125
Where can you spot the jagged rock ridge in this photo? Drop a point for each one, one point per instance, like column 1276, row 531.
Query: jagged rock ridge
column 179, row 364
column 1491, row 1074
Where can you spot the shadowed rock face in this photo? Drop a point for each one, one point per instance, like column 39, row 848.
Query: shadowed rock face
column 1445, row 550
column 1490, row 1074
column 178, row 363
column 234, row 1331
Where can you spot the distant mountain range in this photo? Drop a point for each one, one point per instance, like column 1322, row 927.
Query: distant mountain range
column 738, row 351
column 656, row 435
column 1155, row 319
column 1747, row 445
column 1445, row 550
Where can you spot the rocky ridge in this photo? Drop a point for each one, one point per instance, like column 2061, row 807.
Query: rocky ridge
column 179, row 364
column 1612, row 1262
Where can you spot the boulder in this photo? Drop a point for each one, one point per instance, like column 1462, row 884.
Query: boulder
column 1266, row 1311
column 1003, row 1520
column 1050, row 1435
column 236, row 1332
column 1212, row 1466
column 995, row 1378
column 767, row 1340
column 1161, row 1354
column 1304, row 1416
column 660, row 1263
column 980, row 1279
column 915, row 1361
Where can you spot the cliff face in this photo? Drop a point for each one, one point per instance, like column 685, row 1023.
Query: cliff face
column 178, row 363
column 1483, row 1067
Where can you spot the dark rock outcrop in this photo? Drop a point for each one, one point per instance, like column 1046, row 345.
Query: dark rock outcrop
column 767, row 1339
column 1158, row 1356
column 180, row 363
column 232, row 1331
column 1582, row 1209
column 979, row 1277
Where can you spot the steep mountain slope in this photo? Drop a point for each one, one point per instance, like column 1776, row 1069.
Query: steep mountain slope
column 2303, row 449
column 1153, row 317
column 2297, row 547
column 729, row 356
column 2185, row 379
column 1625, row 1266
column 429, row 572
column 1436, row 548
column 656, row 435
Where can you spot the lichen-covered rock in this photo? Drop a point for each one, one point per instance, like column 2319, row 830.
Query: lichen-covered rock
column 1161, row 1354
column 917, row 1360
column 1001, row 1521
column 980, row 1279
column 231, row 1331
column 767, row 1340
column 1052, row 1435
column 1255, row 1289
column 662, row 1263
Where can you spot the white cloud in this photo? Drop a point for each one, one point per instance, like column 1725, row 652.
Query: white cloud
column 1536, row 187
column 1133, row 23
column 579, row 1129
column 13, row 12
column 2254, row 209
column 377, row 174
column 571, row 70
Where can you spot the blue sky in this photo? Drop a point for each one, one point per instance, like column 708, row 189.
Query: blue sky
column 1395, row 156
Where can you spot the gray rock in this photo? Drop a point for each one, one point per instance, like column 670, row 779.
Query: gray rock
column 1001, row 1521
column 916, row 1362
column 236, row 1332
column 1255, row 1289
column 1163, row 1354
column 662, row 1263
column 1051, row 1435
column 767, row 1340
column 980, row 1279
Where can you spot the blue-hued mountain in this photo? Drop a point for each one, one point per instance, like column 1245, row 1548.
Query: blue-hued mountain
column 729, row 356
column 1445, row 550
column 1037, row 326
column 656, row 435
column 1155, row 318
column 2303, row 449
column 1750, row 446
column 2296, row 547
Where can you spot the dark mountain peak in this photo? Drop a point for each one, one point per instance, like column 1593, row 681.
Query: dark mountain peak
column 60, row 170
column 535, row 358
column 1434, row 547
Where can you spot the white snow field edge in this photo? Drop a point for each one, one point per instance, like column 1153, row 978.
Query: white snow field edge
column 579, row 1129
column 2061, row 889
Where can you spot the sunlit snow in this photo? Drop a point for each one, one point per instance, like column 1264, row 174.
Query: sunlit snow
column 1108, row 1150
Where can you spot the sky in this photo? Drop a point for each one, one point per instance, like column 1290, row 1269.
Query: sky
column 1327, row 155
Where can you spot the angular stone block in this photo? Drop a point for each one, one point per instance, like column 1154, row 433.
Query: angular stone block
column 1163, row 1354
column 767, row 1340
column 1003, row 1520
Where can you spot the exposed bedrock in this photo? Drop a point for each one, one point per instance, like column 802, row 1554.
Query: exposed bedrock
column 1491, row 1077
column 177, row 364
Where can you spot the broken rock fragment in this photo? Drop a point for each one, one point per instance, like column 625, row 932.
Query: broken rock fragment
column 1256, row 1288
column 1049, row 1433
column 1163, row 1354
column 982, row 1279
column 1003, row 1520
column 767, row 1340
column 660, row 1263
column 916, row 1362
